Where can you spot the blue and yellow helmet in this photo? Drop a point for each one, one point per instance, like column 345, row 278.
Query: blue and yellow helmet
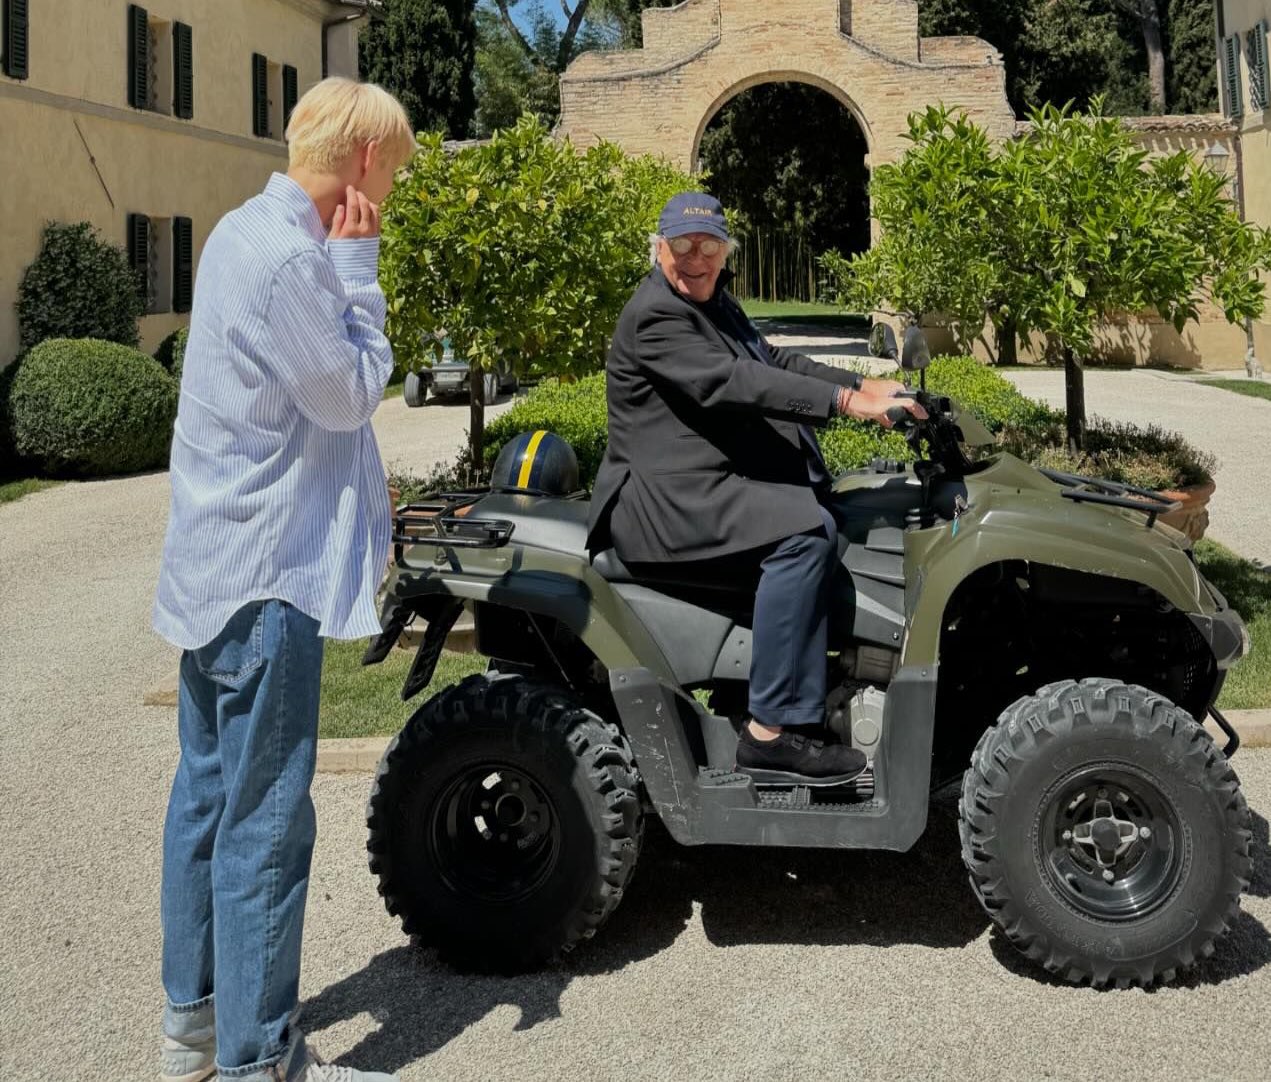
column 537, row 463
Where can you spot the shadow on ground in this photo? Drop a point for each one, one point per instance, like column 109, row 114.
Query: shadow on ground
column 747, row 896
column 759, row 896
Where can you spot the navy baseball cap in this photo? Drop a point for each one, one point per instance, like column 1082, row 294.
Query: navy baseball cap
column 693, row 212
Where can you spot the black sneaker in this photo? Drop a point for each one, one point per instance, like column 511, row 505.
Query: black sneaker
column 795, row 759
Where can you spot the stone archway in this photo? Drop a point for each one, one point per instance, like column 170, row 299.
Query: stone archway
column 867, row 53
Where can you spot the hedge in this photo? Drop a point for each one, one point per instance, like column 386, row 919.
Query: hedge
column 79, row 286
column 171, row 352
column 85, row 408
column 577, row 413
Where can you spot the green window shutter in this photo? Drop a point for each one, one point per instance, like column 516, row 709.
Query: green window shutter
column 260, row 95
column 1231, row 66
column 17, row 40
column 183, row 70
column 138, row 57
column 1259, row 87
column 182, row 264
column 290, row 94
column 139, row 252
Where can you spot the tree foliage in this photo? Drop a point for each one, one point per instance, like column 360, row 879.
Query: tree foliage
column 79, row 286
column 523, row 249
column 423, row 51
column 790, row 155
column 1063, row 229
column 1061, row 51
column 509, row 81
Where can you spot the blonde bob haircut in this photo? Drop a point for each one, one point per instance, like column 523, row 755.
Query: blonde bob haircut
column 337, row 117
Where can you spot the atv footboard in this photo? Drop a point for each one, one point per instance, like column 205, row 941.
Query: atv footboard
column 704, row 806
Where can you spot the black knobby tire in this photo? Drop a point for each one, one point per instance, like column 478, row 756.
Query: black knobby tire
column 1052, row 820
column 415, row 390
column 504, row 823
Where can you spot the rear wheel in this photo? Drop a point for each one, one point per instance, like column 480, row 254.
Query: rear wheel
column 1104, row 833
column 504, row 823
column 415, row 390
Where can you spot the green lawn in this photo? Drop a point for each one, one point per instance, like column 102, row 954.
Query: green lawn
column 15, row 490
column 812, row 314
column 1254, row 388
column 1248, row 590
column 394, row 389
column 362, row 700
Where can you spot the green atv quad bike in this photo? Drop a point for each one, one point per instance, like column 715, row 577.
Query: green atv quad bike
column 1041, row 637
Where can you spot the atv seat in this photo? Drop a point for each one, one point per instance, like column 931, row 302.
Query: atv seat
column 610, row 568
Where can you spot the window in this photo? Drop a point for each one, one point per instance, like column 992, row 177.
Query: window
column 260, row 96
column 274, row 92
column 1256, row 57
column 161, row 251
column 290, row 93
column 160, row 64
column 15, row 46
column 1234, row 100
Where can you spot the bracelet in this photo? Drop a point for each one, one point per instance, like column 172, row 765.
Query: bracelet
column 844, row 400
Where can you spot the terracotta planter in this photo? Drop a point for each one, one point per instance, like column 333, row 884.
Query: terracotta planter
column 1193, row 517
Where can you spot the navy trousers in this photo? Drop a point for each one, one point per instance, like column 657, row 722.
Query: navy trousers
column 787, row 659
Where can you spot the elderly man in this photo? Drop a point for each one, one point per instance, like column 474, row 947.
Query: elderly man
column 711, row 465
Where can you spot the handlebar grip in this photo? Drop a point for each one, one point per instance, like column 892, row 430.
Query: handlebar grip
column 900, row 417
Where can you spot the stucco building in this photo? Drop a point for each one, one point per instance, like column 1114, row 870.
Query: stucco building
column 151, row 121
column 1244, row 84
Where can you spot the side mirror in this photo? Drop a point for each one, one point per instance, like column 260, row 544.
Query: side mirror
column 917, row 354
column 882, row 341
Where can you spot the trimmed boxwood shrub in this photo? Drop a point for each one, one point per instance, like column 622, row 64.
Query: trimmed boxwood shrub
column 1148, row 457
column 574, row 411
column 86, row 408
column 79, row 286
column 1036, row 433
column 171, row 352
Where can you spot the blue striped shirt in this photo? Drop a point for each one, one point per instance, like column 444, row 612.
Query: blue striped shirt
column 278, row 490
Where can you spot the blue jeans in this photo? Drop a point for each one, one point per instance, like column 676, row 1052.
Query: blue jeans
column 239, row 833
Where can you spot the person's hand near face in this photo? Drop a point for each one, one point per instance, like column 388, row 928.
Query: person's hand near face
column 357, row 217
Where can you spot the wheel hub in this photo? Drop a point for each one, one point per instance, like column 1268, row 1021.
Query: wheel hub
column 1105, row 837
column 494, row 835
column 1110, row 842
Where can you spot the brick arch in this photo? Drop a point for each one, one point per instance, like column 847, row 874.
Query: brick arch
column 760, row 79
column 867, row 53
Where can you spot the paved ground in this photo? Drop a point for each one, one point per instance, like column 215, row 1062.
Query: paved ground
column 719, row 964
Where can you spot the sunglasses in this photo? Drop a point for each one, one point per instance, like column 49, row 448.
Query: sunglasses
column 708, row 248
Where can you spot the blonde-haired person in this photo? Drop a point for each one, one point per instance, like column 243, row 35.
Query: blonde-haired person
column 277, row 536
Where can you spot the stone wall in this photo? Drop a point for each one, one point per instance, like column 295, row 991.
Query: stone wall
column 700, row 54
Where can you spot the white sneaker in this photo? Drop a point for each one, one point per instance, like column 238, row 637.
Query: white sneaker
column 188, row 1052
column 319, row 1070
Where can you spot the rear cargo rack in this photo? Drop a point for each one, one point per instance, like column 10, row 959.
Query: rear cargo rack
column 442, row 519
column 1113, row 494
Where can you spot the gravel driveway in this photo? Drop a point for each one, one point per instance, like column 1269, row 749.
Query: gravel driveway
column 720, row 964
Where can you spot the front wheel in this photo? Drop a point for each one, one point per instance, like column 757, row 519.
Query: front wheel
column 504, row 823
column 1104, row 833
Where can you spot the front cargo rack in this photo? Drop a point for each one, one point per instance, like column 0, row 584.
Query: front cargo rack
column 443, row 519
column 1113, row 494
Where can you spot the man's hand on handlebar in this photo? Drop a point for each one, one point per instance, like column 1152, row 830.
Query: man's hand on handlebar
column 888, row 412
column 882, row 388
